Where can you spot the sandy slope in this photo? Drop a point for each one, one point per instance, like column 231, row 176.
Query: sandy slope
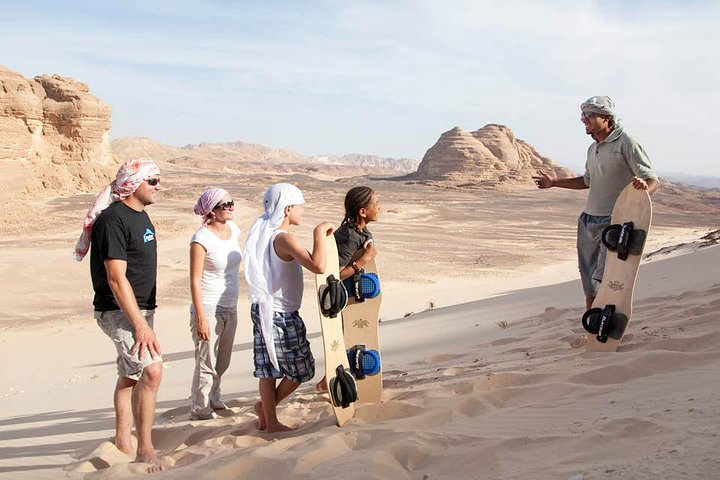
column 465, row 398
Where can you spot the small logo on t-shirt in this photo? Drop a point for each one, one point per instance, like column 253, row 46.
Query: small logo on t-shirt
column 149, row 235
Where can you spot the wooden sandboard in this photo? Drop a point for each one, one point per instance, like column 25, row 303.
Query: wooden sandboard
column 361, row 326
column 618, row 281
column 333, row 342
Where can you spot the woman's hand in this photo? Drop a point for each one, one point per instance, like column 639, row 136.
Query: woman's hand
column 203, row 330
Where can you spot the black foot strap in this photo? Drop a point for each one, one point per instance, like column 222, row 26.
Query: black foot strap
column 333, row 297
column 357, row 286
column 343, row 390
column 605, row 322
column 624, row 239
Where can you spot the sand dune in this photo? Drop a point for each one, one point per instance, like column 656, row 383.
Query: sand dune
column 484, row 383
column 517, row 402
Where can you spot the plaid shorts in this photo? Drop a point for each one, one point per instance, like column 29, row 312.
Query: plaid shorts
column 291, row 345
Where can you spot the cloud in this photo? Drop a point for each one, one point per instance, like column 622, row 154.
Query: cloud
column 340, row 77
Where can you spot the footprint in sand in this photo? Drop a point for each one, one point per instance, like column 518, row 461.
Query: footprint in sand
column 98, row 458
column 443, row 357
column 325, row 449
column 504, row 341
column 471, row 407
column 390, row 410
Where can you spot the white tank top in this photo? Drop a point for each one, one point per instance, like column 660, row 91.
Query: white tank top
column 287, row 278
column 221, row 268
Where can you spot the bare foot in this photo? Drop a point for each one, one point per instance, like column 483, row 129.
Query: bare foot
column 261, row 416
column 151, row 459
column 124, row 447
column 321, row 386
column 279, row 427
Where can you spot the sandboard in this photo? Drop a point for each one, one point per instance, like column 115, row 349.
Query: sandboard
column 630, row 219
column 333, row 342
column 361, row 327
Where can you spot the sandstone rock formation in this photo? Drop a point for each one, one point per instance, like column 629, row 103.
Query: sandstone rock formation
column 56, row 131
column 488, row 157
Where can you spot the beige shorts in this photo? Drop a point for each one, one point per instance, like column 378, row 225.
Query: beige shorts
column 117, row 326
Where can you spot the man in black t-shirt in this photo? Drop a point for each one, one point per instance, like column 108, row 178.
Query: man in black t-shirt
column 123, row 266
column 123, row 233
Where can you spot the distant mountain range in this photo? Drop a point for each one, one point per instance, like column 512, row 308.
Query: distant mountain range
column 702, row 181
column 404, row 165
column 233, row 152
column 500, row 155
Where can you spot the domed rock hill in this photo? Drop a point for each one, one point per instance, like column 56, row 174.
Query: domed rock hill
column 489, row 157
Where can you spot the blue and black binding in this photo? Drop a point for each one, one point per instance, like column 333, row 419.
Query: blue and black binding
column 363, row 361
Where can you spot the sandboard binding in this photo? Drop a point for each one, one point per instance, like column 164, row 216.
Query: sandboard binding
column 624, row 239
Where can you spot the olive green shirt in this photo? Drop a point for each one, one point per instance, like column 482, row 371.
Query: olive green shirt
column 610, row 166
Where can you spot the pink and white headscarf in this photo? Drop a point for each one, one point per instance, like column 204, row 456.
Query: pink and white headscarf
column 207, row 201
column 129, row 177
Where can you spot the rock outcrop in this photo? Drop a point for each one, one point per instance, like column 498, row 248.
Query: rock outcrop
column 54, row 128
column 488, row 157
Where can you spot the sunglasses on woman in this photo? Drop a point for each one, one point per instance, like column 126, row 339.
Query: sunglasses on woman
column 225, row 206
column 152, row 181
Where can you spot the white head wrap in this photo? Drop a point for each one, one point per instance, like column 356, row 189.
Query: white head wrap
column 129, row 177
column 258, row 248
column 601, row 105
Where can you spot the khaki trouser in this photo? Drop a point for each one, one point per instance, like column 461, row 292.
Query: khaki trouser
column 212, row 357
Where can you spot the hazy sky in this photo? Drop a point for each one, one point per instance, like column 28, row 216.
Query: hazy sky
column 384, row 77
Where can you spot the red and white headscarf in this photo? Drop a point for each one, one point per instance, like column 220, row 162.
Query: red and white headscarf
column 207, row 201
column 129, row 177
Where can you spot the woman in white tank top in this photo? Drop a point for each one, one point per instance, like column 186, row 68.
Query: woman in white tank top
column 214, row 272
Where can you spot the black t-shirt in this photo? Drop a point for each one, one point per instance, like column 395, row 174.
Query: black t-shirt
column 349, row 240
column 124, row 234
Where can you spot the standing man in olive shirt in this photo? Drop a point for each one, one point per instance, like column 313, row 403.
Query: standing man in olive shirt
column 614, row 159
column 123, row 266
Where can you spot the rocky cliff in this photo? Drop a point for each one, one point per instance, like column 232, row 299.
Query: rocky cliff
column 488, row 157
column 56, row 131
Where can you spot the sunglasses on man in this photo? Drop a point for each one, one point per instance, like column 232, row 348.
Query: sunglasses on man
column 225, row 206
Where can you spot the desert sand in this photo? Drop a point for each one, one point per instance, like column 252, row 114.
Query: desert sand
column 481, row 314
